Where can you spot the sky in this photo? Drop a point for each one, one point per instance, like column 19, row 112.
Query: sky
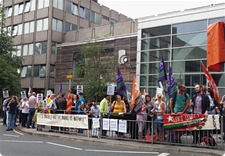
column 142, row 8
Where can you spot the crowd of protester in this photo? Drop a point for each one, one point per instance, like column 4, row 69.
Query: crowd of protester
column 152, row 109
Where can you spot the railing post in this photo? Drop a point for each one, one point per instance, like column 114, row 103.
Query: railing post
column 221, row 131
column 152, row 130
column 101, row 127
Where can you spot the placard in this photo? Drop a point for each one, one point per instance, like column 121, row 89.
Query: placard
column 110, row 90
column 159, row 91
column 95, row 123
column 113, row 124
column 105, row 124
column 23, row 95
column 39, row 98
column 5, row 93
column 123, row 126
column 79, row 89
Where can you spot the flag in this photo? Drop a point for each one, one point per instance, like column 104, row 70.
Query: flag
column 48, row 105
column 60, row 88
column 212, row 84
column 215, row 46
column 121, row 88
column 69, row 103
column 172, row 86
column 136, row 102
column 29, row 92
column 162, row 70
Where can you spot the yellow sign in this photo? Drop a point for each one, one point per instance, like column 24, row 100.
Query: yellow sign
column 69, row 76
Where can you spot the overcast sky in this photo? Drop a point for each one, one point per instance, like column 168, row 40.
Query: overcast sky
column 141, row 8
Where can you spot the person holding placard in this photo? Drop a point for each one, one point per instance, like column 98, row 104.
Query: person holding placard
column 25, row 111
column 103, row 110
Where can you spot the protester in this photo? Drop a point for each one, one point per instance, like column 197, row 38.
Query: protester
column 80, row 105
column 32, row 103
column 74, row 101
column 5, row 103
column 104, row 110
column 200, row 105
column 12, row 106
column 25, row 111
column 159, row 110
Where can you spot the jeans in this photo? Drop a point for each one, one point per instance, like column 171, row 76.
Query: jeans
column 24, row 119
column 4, row 117
column 30, row 117
column 11, row 121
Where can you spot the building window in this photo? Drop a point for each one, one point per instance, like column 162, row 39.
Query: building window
column 26, row 71
column 53, row 50
column 95, row 17
column 41, row 48
column 69, row 27
column 17, row 30
column 21, row 6
column 16, row 10
column 43, row 4
column 82, row 12
column 17, row 51
column 57, row 25
column 29, row 27
column 112, row 21
column 42, row 24
column 156, row 31
column 28, row 49
column 29, row 6
column 9, row 12
column 52, row 71
column 74, row 9
column 58, row 4
column 39, row 71
column 68, row 7
column 20, row 29
column 105, row 17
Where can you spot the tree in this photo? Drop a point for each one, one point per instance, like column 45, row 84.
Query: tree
column 9, row 63
column 95, row 69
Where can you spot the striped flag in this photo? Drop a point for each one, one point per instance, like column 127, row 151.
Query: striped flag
column 121, row 88
column 136, row 102
column 162, row 70
column 172, row 86
column 69, row 103
column 212, row 84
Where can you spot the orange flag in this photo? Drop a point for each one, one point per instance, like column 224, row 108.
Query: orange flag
column 212, row 84
column 135, row 92
column 215, row 46
column 69, row 103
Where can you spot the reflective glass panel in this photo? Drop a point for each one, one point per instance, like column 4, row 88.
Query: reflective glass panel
column 21, row 9
column 36, row 70
column 157, row 31
column 82, row 12
column 26, row 27
column 15, row 29
column 16, row 9
column 213, row 20
column 54, row 24
column 55, row 3
column 190, row 26
column 38, row 47
column 189, row 39
column 39, row 25
column 53, row 51
column 68, row 7
column 25, row 49
column 87, row 14
column 67, row 27
column 31, row 49
column 24, row 71
column 191, row 80
column 40, row 4
column 60, row 4
column 32, row 6
column 189, row 53
column 18, row 50
column 74, row 27
column 151, row 80
column 9, row 12
column 31, row 27
column 93, row 16
column 27, row 7
column 52, row 71
column 45, row 26
column 97, row 18
column 42, row 71
column 20, row 29
column 155, row 43
column 74, row 9
column 29, row 71
column 46, row 3
column 44, row 47
column 155, row 55
column 59, row 26
column 151, row 68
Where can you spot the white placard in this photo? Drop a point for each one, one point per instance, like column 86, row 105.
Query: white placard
column 211, row 123
column 39, row 98
column 105, row 124
column 113, row 124
column 94, row 131
column 63, row 120
column 79, row 89
column 159, row 91
column 123, row 126
column 95, row 123
column 5, row 93
column 110, row 90
column 23, row 95
column 49, row 92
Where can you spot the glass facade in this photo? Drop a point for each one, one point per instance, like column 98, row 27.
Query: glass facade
column 183, row 45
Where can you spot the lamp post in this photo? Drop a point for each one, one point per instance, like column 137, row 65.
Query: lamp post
column 69, row 77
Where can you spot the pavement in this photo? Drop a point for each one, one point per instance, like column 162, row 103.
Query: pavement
column 124, row 143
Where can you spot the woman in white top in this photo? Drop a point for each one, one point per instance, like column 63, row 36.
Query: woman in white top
column 158, row 123
column 25, row 111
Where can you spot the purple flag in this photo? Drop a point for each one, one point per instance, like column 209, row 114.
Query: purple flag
column 121, row 88
column 172, row 85
column 162, row 70
column 60, row 88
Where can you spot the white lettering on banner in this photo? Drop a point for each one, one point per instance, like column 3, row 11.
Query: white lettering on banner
column 63, row 120
column 95, row 123
column 105, row 124
column 123, row 126
column 113, row 124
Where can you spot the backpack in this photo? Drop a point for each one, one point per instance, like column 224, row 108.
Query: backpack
column 208, row 140
column 188, row 111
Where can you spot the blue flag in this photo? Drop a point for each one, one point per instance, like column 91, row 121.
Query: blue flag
column 162, row 70
column 121, row 88
column 172, row 85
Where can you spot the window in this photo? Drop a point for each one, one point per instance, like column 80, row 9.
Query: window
column 69, row 27
column 26, row 71
column 82, row 12
column 20, row 29
column 43, row 4
column 16, row 9
column 58, row 4
column 155, row 43
column 87, row 14
column 29, row 6
column 28, row 49
column 39, row 70
column 28, row 27
column 74, row 9
column 156, row 31
column 95, row 17
column 112, row 21
column 68, row 7
column 41, row 48
column 9, row 12
column 42, row 24
column 52, row 71
column 21, row 8
column 106, row 18
column 15, row 30
column 17, row 51
column 57, row 25
column 32, row 5
column 53, row 50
